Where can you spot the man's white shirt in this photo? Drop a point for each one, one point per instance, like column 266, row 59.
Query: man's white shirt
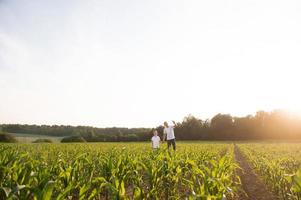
column 169, row 132
column 156, row 141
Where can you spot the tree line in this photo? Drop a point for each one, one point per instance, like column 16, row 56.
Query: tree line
column 262, row 125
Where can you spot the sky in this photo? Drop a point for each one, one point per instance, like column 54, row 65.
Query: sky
column 137, row 63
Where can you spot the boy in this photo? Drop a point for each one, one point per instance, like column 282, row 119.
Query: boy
column 155, row 140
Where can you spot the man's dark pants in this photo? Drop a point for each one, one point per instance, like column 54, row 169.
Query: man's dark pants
column 171, row 142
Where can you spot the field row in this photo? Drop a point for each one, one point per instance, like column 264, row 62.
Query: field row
column 279, row 165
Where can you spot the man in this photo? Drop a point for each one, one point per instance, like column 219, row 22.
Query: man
column 169, row 135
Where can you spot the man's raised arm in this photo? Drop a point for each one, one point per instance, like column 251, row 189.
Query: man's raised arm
column 174, row 123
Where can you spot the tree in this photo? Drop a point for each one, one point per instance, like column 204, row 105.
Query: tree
column 221, row 126
column 42, row 141
column 7, row 138
column 191, row 128
column 73, row 139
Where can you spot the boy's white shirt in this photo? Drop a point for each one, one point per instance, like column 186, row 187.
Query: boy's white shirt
column 155, row 141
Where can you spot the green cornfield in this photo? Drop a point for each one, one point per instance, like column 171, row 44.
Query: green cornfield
column 200, row 170
column 117, row 171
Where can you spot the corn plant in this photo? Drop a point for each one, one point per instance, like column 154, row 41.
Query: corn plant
column 116, row 171
column 279, row 165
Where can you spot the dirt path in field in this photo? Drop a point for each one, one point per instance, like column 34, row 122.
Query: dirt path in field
column 254, row 188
